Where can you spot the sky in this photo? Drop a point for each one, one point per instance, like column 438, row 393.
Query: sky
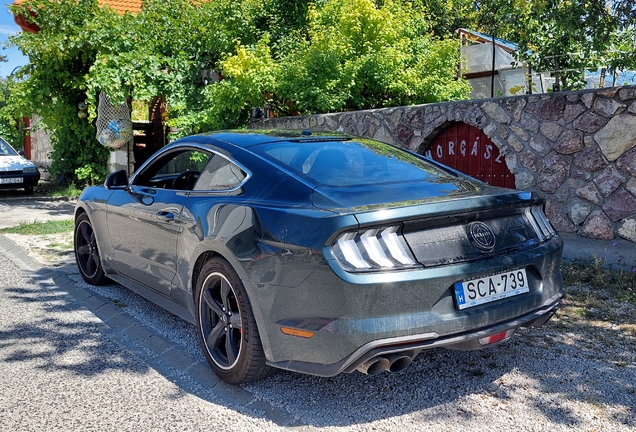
column 8, row 27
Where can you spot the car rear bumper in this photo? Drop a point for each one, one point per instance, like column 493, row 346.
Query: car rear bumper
column 345, row 323
column 410, row 346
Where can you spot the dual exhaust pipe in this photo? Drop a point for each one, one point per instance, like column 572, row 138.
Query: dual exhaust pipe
column 389, row 362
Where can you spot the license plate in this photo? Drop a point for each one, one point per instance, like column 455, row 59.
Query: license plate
column 496, row 287
column 10, row 180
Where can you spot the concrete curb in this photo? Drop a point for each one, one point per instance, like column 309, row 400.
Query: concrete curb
column 160, row 354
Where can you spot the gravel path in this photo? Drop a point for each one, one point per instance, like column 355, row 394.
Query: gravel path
column 576, row 373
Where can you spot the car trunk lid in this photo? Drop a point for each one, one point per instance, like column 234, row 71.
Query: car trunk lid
column 437, row 223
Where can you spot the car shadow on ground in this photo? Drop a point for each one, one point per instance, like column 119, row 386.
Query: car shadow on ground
column 90, row 334
column 14, row 193
column 550, row 372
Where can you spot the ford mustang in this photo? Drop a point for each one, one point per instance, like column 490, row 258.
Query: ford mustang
column 320, row 253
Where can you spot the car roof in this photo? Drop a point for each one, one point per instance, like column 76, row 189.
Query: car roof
column 362, row 190
column 248, row 138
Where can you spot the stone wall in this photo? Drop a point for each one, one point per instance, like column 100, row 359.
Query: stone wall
column 41, row 148
column 576, row 149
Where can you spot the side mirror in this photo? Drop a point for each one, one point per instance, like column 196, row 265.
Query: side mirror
column 117, row 180
column 21, row 152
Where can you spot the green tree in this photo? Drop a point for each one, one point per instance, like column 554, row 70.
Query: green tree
column 171, row 46
column 51, row 85
column 267, row 53
column 358, row 56
column 564, row 37
column 9, row 129
column 250, row 75
column 446, row 16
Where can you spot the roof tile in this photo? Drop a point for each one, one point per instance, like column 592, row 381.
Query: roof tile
column 122, row 6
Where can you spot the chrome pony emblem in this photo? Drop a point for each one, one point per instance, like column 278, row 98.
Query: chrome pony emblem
column 481, row 236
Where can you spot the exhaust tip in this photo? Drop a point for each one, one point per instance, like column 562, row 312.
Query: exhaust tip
column 398, row 362
column 374, row 366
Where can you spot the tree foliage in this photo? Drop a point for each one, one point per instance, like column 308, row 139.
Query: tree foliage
column 338, row 55
column 358, row 56
column 9, row 129
column 564, row 37
column 52, row 84
column 446, row 16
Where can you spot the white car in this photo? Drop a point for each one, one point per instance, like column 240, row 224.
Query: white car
column 16, row 172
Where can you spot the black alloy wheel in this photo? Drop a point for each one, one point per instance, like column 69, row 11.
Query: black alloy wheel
column 226, row 326
column 87, row 253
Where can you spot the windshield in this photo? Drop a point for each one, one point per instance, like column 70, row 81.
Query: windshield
column 349, row 163
column 6, row 149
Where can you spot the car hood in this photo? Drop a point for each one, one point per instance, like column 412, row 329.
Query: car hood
column 14, row 163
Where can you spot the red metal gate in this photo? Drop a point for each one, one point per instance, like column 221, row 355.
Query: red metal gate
column 469, row 150
column 26, row 145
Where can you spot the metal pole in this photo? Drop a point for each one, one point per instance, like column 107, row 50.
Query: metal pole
column 492, row 76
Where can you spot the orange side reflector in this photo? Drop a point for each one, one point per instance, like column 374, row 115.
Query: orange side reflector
column 295, row 332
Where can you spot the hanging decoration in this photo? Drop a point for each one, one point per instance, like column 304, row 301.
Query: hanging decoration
column 114, row 124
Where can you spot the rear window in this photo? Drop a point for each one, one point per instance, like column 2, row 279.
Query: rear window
column 348, row 163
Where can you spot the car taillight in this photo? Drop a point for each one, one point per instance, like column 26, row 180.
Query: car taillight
column 376, row 249
column 540, row 223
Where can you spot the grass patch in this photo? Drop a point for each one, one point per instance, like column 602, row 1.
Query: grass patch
column 41, row 228
column 620, row 284
column 61, row 246
column 58, row 190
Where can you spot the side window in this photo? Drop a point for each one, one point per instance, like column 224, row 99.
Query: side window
column 186, row 161
column 220, row 174
column 176, row 170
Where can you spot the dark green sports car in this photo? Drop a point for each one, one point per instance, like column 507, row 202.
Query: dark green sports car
column 320, row 253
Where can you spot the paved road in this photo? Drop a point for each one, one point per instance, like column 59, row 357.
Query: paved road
column 17, row 209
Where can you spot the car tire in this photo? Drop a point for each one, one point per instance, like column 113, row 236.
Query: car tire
column 87, row 253
column 226, row 326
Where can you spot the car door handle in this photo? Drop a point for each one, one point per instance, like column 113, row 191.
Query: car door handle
column 165, row 216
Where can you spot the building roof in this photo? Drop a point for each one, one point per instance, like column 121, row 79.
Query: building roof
column 480, row 37
column 122, row 6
